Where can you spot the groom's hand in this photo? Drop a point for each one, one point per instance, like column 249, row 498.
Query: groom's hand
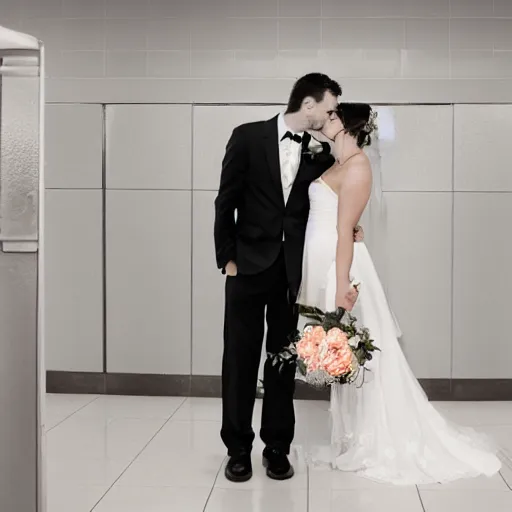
column 319, row 136
column 231, row 269
column 358, row 234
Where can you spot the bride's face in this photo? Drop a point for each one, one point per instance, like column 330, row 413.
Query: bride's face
column 333, row 127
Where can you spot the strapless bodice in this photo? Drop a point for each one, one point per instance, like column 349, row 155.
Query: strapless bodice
column 323, row 212
column 320, row 244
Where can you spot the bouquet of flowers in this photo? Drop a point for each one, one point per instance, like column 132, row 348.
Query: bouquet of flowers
column 329, row 350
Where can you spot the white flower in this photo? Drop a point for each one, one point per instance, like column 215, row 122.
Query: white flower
column 354, row 341
column 315, row 146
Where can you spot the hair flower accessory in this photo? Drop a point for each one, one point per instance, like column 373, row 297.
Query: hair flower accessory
column 371, row 125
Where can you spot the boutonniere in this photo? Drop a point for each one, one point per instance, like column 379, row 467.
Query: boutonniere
column 316, row 150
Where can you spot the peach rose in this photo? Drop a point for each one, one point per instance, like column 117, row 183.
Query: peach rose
column 336, row 356
column 338, row 362
column 317, row 334
column 307, row 347
column 336, row 339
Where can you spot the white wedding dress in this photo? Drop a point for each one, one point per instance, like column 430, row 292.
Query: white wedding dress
column 384, row 429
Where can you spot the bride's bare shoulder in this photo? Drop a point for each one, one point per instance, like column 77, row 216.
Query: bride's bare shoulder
column 359, row 166
column 359, row 160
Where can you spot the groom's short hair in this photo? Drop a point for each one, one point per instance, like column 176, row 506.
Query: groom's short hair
column 314, row 85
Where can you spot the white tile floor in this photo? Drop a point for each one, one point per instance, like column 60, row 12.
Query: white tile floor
column 137, row 454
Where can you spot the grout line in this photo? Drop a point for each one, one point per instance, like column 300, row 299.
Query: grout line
column 191, row 242
column 76, row 189
column 279, row 16
column 450, row 72
column 403, row 49
column 482, row 191
column 138, row 455
column 87, row 189
column 278, row 23
column 104, row 234
column 353, row 17
column 446, row 191
column 190, row 55
column 322, row 26
column 504, row 480
column 452, row 263
column 420, row 498
column 214, row 484
column 73, row 413
column 234, row 104
column 116, row 189
column 417, row 191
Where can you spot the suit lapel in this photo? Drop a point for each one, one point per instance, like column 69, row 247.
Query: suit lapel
column 272, row 152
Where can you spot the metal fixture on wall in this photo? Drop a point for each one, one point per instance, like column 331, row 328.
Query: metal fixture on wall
column 21, row 345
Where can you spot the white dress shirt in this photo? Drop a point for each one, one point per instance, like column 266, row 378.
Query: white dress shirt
column 289, row 156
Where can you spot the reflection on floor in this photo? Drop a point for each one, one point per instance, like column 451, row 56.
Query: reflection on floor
column 137, row 454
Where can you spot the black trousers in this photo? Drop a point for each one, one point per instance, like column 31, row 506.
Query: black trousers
column 247, row 298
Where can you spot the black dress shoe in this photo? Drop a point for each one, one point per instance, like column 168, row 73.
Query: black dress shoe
column 277, row 464
column 239, row 468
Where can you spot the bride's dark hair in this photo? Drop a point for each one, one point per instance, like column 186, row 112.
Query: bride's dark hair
column 358, row 120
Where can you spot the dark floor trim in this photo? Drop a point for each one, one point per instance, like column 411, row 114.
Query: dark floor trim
column 485, row 389
column 75, row 383
column 210, row 386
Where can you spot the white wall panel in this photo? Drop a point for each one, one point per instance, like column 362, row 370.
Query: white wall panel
column 74, row 146
column 212, row 128
column 74, row 280
column 419, row 246
column 207, row 291
column 482, row 148
column 149, row 146
column 482, row 286
column 148, row 247
column 420, row 157
column 161, row 269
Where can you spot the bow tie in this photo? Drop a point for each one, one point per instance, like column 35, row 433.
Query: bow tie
column 293, row 136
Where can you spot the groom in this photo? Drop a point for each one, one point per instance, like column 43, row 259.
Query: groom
column 261, row 213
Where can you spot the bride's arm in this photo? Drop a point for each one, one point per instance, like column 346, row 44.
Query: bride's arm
column 354, row 194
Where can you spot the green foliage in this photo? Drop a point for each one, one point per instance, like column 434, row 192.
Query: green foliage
column 360, row 341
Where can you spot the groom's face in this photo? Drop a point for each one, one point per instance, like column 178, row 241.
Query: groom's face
column 323, row 111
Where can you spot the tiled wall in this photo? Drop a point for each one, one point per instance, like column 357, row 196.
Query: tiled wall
column 448, row 188
column 449, row 172
column 250, row 51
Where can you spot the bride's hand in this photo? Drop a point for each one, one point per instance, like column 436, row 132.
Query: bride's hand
column 346, row 297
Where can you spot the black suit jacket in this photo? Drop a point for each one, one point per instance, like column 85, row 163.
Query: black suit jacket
column 250, row 184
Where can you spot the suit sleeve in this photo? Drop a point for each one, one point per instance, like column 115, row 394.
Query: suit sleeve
column 230, row 190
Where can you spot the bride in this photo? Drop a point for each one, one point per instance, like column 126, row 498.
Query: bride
column 385, row 428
